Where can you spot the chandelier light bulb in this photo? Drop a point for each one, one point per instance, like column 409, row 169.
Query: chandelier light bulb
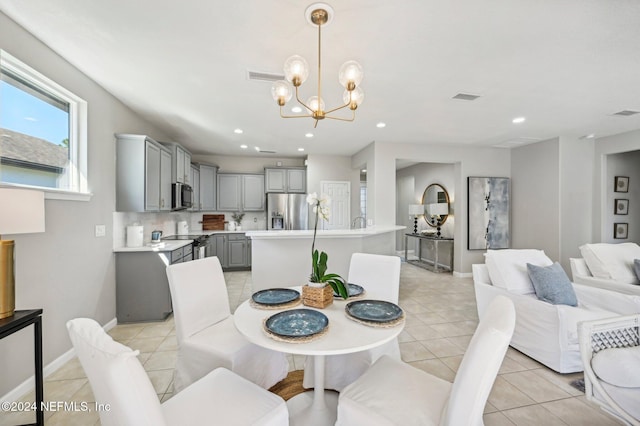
column 281, row 92
column 296, row 70
column 350, row 75
column 353, row 98
column 315, row 105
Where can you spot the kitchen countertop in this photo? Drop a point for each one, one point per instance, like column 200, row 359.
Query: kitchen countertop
column 171, row 244
column 334, row 233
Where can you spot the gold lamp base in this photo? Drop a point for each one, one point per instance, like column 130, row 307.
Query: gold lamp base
column 7, row 279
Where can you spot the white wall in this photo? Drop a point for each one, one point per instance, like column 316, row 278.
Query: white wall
column 624, row 164
column 242, row 164
column 66, row 270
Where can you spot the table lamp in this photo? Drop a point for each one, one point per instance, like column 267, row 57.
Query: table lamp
column 21, row 212
column 436, row 211
column 415, row 210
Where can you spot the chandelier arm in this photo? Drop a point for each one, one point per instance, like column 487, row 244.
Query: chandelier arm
column 353, row 117
column 336, row 109
column 302, row 103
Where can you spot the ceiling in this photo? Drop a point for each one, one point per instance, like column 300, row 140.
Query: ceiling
column 566, row 66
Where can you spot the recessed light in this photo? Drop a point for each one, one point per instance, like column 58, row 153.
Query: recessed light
column 243, row 146
column 589, row 136
column 296, row 109
column 300, row 149
column 380, row 125
column 364, row 170
column 238, row 131
column 518, row 120
column 258, row 148
column 309, row 135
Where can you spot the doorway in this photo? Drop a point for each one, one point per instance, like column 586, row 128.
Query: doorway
column 340, row 207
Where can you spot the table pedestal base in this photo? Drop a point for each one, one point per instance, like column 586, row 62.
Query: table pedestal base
column 303, row 412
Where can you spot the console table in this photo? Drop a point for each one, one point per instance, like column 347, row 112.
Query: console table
column 434, row 264
column 17, row 322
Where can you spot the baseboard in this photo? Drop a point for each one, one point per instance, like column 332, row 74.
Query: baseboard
column 462, row 274
column 29, row 384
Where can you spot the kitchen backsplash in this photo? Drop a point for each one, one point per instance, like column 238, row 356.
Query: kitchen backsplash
column 166, row 222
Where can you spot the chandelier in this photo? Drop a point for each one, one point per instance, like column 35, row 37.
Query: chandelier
column 296, row 71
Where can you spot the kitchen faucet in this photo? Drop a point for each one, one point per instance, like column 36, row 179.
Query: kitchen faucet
column 362, row 222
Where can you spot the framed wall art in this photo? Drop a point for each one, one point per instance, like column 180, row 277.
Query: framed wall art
column 621, row 230
column 488, row 206
column 621, row 184
column 622, row 206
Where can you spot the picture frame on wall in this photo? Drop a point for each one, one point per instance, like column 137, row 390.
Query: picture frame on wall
column 620, row 231
column 621, row 206
column 488, row 213
column 621, row 184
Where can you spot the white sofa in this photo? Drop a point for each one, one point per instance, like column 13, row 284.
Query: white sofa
column 545, row 332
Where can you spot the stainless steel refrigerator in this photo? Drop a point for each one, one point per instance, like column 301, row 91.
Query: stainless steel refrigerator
column 287, row 211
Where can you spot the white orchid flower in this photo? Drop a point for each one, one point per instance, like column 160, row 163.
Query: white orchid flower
column 312, row 198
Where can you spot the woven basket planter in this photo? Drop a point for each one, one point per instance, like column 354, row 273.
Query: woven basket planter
column 317, row 297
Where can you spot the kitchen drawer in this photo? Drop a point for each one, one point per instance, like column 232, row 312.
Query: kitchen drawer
column 237, row 237
column 187, row 250
column 177, row 255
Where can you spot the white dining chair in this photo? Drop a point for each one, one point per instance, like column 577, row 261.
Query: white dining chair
column 207, row 337
column 379, row 275
column 120, row 385
column 394, row 393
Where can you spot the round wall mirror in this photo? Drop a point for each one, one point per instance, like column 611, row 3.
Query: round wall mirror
column 435, row 200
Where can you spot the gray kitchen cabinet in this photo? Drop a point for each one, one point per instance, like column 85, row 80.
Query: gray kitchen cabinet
column 181, row 164
column 286, row 180
column 142, row 288
column 240, row 192
column 165, row 180
column 208, row 187
column 195, row 184
column 139, row 178
column 232, row 249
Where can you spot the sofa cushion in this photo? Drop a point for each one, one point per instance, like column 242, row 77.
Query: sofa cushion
column 612, row 261
column 618, row 366
column 508, row 268
column 636, row 267
column 552, row 284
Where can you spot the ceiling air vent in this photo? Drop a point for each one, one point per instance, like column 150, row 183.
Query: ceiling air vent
column 264, row 76
column 264, row 151
column 466, row 97
column 626, row 113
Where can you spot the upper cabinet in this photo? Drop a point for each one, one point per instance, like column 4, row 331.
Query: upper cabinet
column 195, row 185
column 142, row 170
column 285, row 180
column 208, row 187
column 181, row 167
column 240, row 192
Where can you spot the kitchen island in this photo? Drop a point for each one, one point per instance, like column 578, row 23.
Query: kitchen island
column 283, row 258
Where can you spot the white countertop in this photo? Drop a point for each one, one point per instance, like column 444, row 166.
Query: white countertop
column 170, row 245
column 335, row 233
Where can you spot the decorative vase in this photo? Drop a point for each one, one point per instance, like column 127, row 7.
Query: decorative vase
column 238, row 228
column 317, row 295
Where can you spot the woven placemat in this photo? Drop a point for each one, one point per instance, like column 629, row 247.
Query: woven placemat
column 272, row 307
column 378, row 324
column 306, row 339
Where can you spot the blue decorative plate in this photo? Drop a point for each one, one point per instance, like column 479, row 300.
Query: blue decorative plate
column 354, row 290
column 378, row 311
column 297, row 323
column 275, row 296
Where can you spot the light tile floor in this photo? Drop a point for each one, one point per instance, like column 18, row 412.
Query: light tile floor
column 441, row 317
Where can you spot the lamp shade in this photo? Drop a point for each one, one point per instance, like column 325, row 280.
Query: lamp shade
column 21, row 211
column 416, row 209
column 438, row 209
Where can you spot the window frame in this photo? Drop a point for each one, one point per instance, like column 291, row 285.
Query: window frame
column 78, row 189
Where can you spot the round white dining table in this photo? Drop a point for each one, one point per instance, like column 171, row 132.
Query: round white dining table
column 343, row 336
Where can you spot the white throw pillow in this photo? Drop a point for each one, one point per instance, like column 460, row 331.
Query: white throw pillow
column 618, row 366
column 508, row 268
column 612, row 261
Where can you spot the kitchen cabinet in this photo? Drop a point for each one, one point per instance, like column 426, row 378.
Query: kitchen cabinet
column 181, row 165
column 142, row 288
column 286, row 180
column 208, row 187
column 240, row 192
column 141, row 182
column 233, row 250
column 165, row 180
column 195, row 184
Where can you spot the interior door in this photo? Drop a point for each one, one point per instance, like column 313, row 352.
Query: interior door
column 339, row 210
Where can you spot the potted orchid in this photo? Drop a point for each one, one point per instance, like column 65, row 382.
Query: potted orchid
column 319, row 276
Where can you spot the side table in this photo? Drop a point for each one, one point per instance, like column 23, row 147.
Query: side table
column 17, row 322
column 436, row 242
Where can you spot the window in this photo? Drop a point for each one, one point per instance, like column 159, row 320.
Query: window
column 43, row 132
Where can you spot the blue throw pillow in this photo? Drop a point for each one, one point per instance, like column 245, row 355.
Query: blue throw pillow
column 636, row 267
column 552, row 284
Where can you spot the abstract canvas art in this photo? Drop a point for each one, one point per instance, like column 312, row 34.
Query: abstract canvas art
column 488, row 204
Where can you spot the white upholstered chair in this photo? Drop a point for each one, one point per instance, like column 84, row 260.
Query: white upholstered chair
column 118, row 379
column 610, row 350
column 207, row 336
column 379, row 275
column 394, row 393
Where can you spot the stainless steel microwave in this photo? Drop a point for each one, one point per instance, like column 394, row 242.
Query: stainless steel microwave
column 181, row 196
